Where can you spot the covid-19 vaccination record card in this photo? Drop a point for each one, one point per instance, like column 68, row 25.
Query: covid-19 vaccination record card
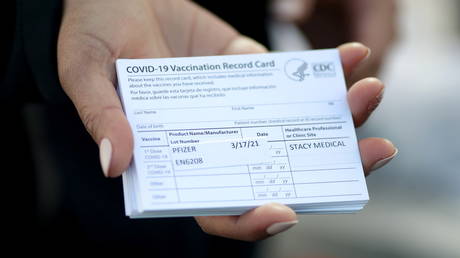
column 220, row 135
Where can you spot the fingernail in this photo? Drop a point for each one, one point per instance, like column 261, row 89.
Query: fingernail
column 384, row 161
column 369, row 52
column 376, row 102
column 279, row 227
column 105, row 155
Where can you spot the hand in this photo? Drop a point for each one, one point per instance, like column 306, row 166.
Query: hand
column 328, row 23
column 95, row 33
column 363, row 97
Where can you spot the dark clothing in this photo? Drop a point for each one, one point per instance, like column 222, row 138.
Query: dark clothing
column 56, row 194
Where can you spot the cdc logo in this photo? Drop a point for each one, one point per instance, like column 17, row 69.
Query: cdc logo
column 321, row 70
column 296, row 69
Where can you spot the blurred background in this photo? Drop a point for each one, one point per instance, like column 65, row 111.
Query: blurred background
column 55, row 196
column 414, row 210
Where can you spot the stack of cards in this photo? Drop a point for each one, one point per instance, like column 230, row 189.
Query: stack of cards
column 221, row 135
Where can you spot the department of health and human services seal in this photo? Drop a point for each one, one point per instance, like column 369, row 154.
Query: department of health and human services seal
column 295, row 69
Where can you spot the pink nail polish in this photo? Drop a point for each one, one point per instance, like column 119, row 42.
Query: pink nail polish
column 384, row 161
column 279, row 227
column 105, row 155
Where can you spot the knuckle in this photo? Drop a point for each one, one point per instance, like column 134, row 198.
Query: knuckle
column 94, row 54
column 97, row 48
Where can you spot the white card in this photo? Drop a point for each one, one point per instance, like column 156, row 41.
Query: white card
column 223, row 134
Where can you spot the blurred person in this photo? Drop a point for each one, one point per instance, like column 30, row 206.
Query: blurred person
column 76, row 49
column 329, row 23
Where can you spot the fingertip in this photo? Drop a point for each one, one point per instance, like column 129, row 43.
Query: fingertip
column 275, row 210
column 352, row 54
column 391, row 152
column 256, row 224
column 243, row 45
column 389, row 144
column 279, row 227
column 376, row 152
column 368, row 85
column 117, row 129
column 291, row 11
column 364, row 97
column 285, row 218
column 267, row 220
column 105, row 155
column 358, row 47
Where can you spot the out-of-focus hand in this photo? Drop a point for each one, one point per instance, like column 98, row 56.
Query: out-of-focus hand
column 328, row 23
column 95, row 33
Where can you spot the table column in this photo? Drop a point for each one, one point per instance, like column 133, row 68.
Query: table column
column 271, row 180
column 209, row 184
column 156, row 167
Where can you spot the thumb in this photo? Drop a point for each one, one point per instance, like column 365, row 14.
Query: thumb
column 87, row 77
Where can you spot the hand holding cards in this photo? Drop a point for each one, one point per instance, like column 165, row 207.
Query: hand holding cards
column 221, row 135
